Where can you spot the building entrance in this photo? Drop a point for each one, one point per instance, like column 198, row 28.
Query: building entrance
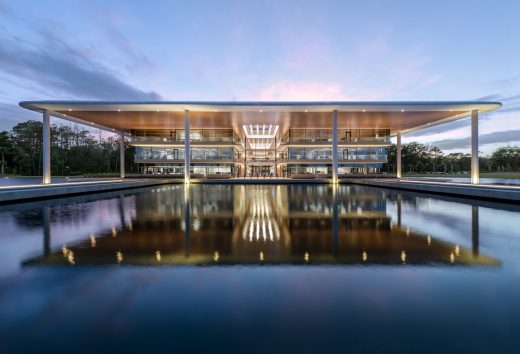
column 264, row 171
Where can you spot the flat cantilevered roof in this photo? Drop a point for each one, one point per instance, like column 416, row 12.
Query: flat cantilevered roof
column 397, row 116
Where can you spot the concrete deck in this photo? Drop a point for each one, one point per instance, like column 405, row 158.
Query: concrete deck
column 481, row 191
column 10, row 194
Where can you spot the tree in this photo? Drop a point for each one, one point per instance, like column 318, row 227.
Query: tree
column 74, row 151
column 27, row 141
column 506, row 158
column 6, row 151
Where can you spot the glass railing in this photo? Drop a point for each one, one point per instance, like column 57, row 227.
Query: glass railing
column 153, row 139
column 160, row 153
column 344, row 136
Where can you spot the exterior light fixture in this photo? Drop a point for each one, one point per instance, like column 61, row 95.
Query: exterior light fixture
column 261, row 110
column 70, row 110
column 305, row 111
column 119, row 109
column 403, row 256
column 364, row 110
column 216, row 256
column 158, row 256
column 402, row 110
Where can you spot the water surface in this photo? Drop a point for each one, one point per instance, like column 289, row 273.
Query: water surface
column 278, row 269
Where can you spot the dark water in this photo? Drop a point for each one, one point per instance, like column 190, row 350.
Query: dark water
column 272, row 269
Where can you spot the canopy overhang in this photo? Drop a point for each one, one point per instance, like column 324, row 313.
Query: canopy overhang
column 396, row 116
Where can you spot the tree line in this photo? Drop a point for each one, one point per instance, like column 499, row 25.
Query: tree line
column 74, row 151
column 421, row 158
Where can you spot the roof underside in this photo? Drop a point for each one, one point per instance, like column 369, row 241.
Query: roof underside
column 395, row 116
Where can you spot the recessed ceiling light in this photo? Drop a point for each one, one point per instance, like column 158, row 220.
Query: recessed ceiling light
column 364, row 110
column 402, row 110
column 305, row 111
column 119, row 110
column 70, row 110
column 261, row 111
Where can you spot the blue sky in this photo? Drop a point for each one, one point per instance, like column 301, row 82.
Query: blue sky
column 268, row 50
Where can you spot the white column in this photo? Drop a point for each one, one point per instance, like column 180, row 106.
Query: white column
column 398, row 150
column 121, row 154
column 474, row 148
column 335, row 146
column 187, row 146
column 46, row 147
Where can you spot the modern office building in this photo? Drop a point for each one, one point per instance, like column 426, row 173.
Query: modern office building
column 261, row 139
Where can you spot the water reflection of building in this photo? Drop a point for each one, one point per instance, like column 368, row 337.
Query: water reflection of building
column 292, row 224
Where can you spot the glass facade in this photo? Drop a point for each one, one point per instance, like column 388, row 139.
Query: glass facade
column 344, row 135
column 178, row 169
column 343, row 169
column 198, row 153
column 355, row 153
column 272, row 161
column 177, row 135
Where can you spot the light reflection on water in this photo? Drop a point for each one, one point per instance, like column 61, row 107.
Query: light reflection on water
column 312, row 267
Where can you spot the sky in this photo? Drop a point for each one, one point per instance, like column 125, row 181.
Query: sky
column 293, row 50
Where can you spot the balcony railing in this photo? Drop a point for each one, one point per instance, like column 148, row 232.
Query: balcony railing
column 154, row 139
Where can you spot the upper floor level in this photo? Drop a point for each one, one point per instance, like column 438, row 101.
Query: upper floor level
column 177, row 136
column 345, row 136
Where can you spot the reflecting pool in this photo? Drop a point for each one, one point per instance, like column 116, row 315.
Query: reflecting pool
column 260, row 268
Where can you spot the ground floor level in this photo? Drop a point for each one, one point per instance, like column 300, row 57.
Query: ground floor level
column 272, row 170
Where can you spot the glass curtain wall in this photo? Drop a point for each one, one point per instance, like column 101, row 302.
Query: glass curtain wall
column 344, row 135
column 177, row 135
column 356, row 153
column 168, row 153
column 178, row 169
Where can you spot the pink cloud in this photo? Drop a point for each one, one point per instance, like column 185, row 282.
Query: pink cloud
column 301, row 91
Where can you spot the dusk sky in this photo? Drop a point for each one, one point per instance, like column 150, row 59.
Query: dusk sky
column 268, row 50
